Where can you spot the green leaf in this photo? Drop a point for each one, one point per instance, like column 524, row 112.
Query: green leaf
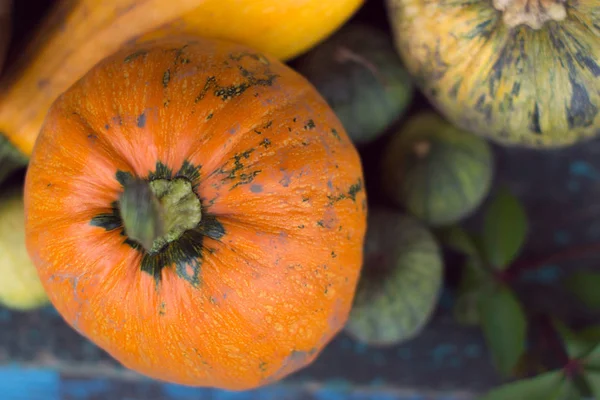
column 504, row 326
column 591, row 333
column 576, row 345
column 584, row 285
column 592, row 358
column 504, row 230
column 549, row 386
column 592, row 378
column 474, row 283
column 466, row 311
column 456, row 238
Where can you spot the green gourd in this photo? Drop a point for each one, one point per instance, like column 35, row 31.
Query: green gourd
column 359, row 73
column 401, row 280
column 437, row 172
column 20, row 286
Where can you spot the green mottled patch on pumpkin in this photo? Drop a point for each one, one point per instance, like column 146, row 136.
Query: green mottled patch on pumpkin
column 166, row 78
column 238, row 174
column 141, row 120
column 355, row 189
column 162, row 171
column 109, row 220
column 191, row 172
column 256, row 73
column 134, row 56
column 310, row 124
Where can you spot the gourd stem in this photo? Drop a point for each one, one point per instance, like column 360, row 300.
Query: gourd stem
column 11, row 159
column 533, row 13
column 422, row 148
column 158, row 212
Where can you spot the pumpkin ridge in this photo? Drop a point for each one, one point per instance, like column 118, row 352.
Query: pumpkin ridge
column 454, row 176
column 101, row 140
column 427, row 209
column 443, row 158
column 262, row 121
column 269, row 228
column 412, row 311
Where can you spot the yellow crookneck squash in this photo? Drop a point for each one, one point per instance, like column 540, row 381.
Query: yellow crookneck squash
column 197, row 210
column 522, row 72
column 78, row 34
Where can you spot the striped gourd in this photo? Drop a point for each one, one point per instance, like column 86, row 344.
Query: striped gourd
column 438, row 172
column 400, row 282
column 523, row 72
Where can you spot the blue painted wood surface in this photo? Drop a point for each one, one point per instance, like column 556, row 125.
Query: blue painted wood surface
column 17, row 383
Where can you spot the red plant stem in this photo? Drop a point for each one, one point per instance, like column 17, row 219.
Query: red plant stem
column 567, row 254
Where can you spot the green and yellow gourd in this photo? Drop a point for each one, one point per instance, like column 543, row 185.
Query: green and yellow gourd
column 436, row 171
column 523, row 72
column 20, row 286
column 400, row 281
column 360, row 75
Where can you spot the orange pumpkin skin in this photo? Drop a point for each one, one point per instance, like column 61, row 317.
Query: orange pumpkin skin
column 279, row 246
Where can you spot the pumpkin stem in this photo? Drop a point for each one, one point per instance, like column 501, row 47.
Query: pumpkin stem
column 533, row 13
column 158, row 212
column 344, row 54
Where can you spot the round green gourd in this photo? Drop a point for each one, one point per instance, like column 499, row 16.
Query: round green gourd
column 400, row 283
column 359, row 73
column 20, row 286
column 438, row 172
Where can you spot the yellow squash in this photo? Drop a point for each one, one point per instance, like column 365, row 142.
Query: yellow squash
column 522, row 72
column 20, row 286
column 78, row 34
column 283, row 28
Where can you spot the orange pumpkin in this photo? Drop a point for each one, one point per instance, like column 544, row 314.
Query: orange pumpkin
column 197, row 210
